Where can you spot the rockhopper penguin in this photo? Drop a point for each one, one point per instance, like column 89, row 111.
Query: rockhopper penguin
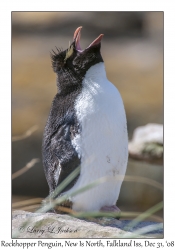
column 87, row 127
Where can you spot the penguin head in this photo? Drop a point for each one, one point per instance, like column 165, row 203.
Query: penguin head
column 72, row 64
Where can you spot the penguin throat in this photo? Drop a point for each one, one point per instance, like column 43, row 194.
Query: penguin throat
column 96, row 72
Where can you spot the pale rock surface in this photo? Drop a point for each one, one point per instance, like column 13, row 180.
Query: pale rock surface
column 48, row 225
column 147, row 143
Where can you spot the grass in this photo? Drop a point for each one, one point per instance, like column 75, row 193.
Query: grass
column 50, row 202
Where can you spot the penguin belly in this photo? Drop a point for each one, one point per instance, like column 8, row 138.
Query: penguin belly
column 102, row 143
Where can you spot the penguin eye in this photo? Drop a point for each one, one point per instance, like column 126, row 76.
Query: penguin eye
column 92, row 56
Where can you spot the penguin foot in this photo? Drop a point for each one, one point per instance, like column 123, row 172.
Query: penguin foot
column 112, row 209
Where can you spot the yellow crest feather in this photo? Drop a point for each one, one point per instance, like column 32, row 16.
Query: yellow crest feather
column 68, row 53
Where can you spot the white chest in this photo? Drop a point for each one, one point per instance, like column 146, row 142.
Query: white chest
column 102, row 144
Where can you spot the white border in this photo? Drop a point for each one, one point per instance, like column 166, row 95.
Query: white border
column 5, row 92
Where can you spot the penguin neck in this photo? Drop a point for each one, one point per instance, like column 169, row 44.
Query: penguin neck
column 96, row 72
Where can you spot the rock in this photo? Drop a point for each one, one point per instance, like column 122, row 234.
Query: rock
column 48, row 225
column 147, row 143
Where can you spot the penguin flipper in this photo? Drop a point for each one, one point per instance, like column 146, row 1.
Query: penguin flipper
column 59, row 156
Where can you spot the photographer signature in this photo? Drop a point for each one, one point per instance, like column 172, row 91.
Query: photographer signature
column 50, row 229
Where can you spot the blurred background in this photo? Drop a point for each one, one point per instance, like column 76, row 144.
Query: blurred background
column 132, row 49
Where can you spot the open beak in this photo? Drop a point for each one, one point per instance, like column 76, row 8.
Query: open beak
column 77, row 35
